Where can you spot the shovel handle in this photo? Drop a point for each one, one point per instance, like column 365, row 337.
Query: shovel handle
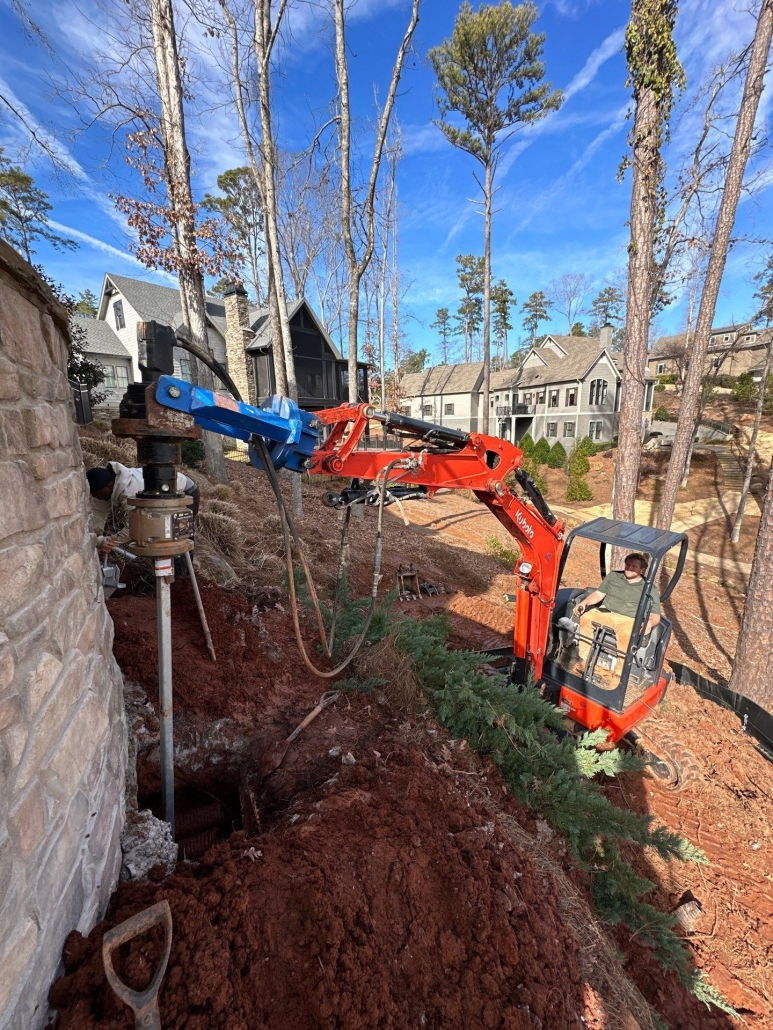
column 327, row 699
column 144, row 1004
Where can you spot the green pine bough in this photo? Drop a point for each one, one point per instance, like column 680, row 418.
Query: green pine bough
column 548, row 770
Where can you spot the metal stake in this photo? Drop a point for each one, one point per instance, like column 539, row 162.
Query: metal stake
column 164, row 572
column 200, row 606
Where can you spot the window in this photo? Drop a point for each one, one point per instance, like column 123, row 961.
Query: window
column 507, row 398
column 552, row 428
column 747, row 338
column 120, row 321
column 716, row 362
column 406, row 409
column 496, row 398
column 492, row 402
column 598, row 391
column 527, row 398
column 109, row 376
column 568, row 428
column 553, row 403
column 449, row 409
column 594, row 430
column 571, row 397
column 426, row 409
column 185, row 371
column 726, row 337
column 121, row 376
column 541, row 397
column 661, row 367
column 648, row 397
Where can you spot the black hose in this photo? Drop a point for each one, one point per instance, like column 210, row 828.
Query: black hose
column 289, row 529
column 212, row 364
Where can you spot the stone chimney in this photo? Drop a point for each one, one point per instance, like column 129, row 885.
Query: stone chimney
column 237, row 336
column 605, row 335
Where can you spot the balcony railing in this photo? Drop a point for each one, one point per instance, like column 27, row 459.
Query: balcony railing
column 504, row 410
column 524, row 409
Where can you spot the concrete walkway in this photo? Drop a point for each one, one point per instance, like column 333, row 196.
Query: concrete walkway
column 686, row 515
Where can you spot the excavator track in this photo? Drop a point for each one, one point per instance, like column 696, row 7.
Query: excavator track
column 670, row 762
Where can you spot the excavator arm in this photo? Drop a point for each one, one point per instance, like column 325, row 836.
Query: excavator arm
column 440, row 458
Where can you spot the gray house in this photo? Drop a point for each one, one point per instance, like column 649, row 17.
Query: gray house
column 567, row 387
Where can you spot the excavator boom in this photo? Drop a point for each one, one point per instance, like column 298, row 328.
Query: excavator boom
column 440, row 458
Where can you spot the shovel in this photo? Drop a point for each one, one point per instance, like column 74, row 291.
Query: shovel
column 144, row 1004
column 274, row 757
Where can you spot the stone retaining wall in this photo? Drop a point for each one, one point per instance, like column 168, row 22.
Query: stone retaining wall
column 62, row 725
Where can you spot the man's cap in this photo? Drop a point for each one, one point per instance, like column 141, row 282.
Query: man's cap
column 99, row 478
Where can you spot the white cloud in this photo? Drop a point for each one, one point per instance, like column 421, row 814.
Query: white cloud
column 106, row 248
column 35, row 129
column 600, row 56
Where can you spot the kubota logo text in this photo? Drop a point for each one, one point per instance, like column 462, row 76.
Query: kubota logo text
column 526, row 529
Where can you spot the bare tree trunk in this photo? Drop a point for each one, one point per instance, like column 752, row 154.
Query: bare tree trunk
column 747, row 479
column 752, row 673
column 357, row 267
column 731, row 193
column 487, row 298
column 638, row 314
column 177, row 174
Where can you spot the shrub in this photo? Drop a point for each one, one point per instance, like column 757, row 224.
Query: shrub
column 233, row 511
column 661, row 415
column 223, row 531
column 578, row 489
column 192, row 452
column 526, row 444
column 557, row 456
column 533, row 469
column 745, row 389
column 224, row 492
column 541, row 451
column 98, row 450
column 668, row 379
column 578, row 464
column 507, row 556
column 660, row 388
column 586, row 446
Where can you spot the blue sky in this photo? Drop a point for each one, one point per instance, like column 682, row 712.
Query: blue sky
column 560, row 207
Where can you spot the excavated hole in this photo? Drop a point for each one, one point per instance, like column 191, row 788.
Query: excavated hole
column 214, row 798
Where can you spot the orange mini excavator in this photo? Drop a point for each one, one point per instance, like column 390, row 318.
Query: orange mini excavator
column 611, row 689
column 546, row 633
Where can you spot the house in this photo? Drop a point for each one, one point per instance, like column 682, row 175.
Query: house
column 448, row 395
column 238, row 335
column 732, row 350
column 567, row 387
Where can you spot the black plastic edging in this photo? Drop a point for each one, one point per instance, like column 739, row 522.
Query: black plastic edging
column 754, row 720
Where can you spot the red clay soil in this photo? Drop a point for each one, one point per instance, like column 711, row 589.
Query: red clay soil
column 295, row 903
column 254, row 649
column 380, row 902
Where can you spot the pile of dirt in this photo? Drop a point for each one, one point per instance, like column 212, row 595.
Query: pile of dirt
column 253, row 648
column 378, row 901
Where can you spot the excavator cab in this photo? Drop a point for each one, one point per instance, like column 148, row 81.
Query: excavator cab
column 610, row 687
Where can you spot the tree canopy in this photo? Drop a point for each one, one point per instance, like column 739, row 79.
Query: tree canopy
column 24, row 211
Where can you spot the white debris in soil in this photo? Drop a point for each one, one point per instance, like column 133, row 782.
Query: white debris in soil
column 146, row 842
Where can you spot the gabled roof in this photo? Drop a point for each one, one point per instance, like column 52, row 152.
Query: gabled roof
column 584, row 353
column 463, row 378
column 100, row 338
column 260, row 323
column 668, row 346
column 504, row 379
column 158, row 303
column 566, row 343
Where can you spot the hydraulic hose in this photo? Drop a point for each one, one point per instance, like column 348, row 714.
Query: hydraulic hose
column 289, row 529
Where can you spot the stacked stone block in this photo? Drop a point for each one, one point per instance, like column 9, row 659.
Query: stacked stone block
column 62, row 726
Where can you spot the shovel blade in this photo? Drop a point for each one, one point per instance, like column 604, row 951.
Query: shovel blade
column 274, row 757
